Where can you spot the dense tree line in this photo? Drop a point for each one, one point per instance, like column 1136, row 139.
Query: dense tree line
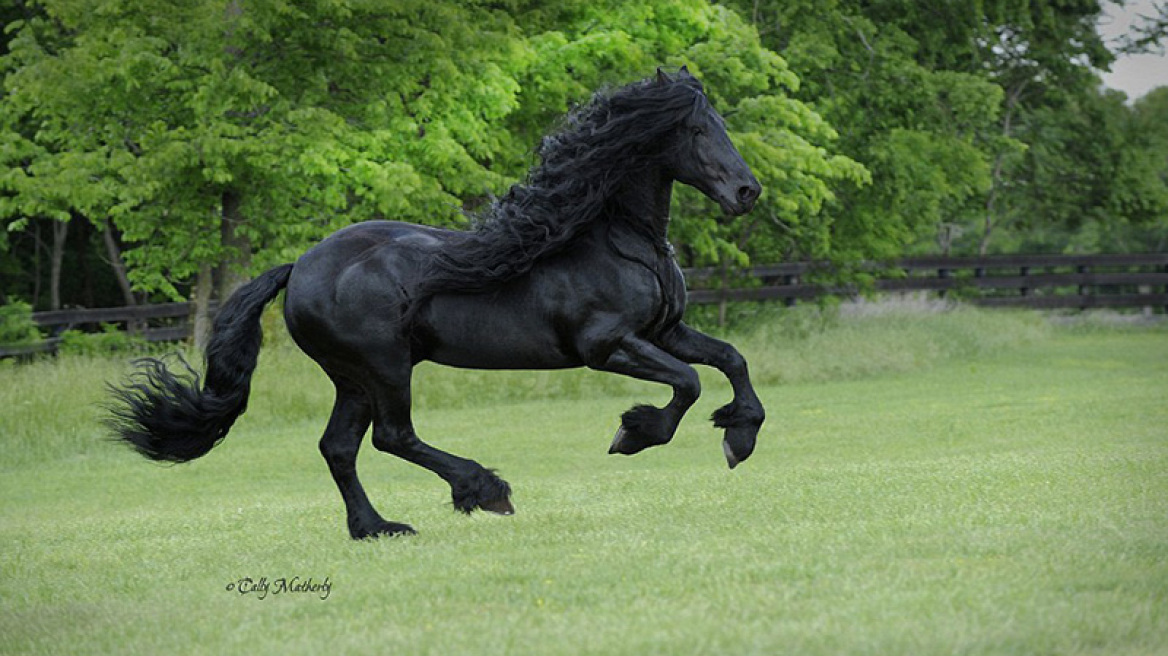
column 169, row 149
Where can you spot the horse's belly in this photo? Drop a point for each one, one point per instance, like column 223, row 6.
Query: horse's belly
column 482, row 333
column 500, row 356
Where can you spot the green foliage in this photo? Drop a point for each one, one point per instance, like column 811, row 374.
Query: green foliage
column 1095, row 177
column 109, row 341
column 308, row 114
column 16, row 324
column 920, row 130
column 956, row 110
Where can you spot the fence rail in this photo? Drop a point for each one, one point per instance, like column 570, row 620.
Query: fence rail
column 1025, row 281
column 136, row 319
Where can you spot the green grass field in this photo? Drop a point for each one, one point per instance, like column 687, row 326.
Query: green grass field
column 926, row 483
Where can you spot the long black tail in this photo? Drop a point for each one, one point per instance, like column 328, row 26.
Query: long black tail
column 169, row 416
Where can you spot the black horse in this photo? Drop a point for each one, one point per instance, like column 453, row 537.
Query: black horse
column 571, row 268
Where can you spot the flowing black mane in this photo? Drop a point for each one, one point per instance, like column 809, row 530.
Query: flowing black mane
column 580, row 168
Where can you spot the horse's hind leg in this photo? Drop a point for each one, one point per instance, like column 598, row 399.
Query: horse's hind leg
column 472, row 486
column 342, row 439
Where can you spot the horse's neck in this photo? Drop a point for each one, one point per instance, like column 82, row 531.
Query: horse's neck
column 641, row 206
column 638, row 221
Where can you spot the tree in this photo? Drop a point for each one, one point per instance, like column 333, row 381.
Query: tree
column 1042, row 54
column 1148, row 143
column 941, row 101
column 920, row 130
column 209, row 131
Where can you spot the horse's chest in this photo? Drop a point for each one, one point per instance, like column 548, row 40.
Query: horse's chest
column 663, row 302
column 672, row 286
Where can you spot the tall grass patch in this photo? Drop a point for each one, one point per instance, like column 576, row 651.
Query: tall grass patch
column 810, row 343
column 51, row 408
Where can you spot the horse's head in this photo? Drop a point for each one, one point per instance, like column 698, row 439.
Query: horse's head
column 704, row 157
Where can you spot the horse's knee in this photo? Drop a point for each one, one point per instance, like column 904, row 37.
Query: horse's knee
column 730, row 361
column 337, row 451
column 689, row 388
column 393, row 440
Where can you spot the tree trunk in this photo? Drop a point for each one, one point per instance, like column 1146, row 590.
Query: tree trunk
column 60, row 233
column 81, row 238
column 990, row 209
column 38, row 247
column 201, row 319
column 117, row 263
column 237, row 258
column 1013, row 99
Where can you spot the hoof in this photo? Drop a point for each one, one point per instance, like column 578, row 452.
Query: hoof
column 383, row 529
column 641, row 427
column 741, row 423
column 731, row 459
column 618, row 441
column 498, row 506
column 738, row 445
column 482, row 491
column 628, row 443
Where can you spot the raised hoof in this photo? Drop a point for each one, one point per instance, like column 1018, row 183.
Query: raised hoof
column 498, row 506
column 741, row 423
column 618, row 441
column 641, row 427
column 383, row 530
column 731, row 459
column 738, row 445
column 627, row 443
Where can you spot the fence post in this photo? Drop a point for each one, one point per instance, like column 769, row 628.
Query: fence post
column 1084, row 289
column 1145, row 290
column 793, row 279
column 1164, row 269
column 1025, row 291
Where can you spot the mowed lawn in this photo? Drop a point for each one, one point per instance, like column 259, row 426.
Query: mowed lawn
column 1010, row 502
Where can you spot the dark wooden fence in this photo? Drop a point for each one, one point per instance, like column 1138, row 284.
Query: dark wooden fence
column 164, row 322
column 1026, row 281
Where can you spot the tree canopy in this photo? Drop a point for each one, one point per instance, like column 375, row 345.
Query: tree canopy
column 190, row 143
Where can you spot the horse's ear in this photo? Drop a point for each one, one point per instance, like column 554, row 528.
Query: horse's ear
column 684, row 72
column 662, row 77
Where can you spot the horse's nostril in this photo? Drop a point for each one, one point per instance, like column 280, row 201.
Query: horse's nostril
column 748, row 193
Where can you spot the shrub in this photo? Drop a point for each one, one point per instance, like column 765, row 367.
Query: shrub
column 16, row 324
column 109, row 340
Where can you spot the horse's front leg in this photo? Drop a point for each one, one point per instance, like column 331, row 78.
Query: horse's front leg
column 644, row 426
column 744, row 415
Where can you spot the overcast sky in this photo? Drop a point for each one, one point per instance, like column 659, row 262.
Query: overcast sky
column 1133, row 75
